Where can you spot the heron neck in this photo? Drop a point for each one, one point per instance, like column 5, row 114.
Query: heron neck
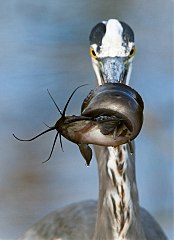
column 118, row 207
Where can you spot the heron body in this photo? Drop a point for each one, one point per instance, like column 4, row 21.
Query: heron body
column 117, row 215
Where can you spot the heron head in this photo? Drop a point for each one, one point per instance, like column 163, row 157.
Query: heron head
column 112, row 49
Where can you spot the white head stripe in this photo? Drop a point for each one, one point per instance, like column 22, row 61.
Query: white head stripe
column 112, row 42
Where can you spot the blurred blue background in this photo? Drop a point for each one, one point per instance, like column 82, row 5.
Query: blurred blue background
column 44, row 44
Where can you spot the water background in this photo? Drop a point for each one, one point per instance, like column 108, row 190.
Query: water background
column 44, row 44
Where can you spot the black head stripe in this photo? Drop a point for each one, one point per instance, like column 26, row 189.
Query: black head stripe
column 128, row 34
column 97, row 34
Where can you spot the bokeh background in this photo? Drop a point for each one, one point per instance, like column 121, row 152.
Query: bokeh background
column 44, row 44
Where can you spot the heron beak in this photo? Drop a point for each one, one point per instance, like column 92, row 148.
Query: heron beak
column 114, row 69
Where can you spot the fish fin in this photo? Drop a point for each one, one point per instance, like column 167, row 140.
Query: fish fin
column 106, row 128
column 120, row 131
column 86, row 152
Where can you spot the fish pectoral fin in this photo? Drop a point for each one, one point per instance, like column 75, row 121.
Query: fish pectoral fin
column 106, row 128
column 120, row 131
column 86, row 152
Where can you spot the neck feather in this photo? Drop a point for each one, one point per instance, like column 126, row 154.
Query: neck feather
column 118, row 207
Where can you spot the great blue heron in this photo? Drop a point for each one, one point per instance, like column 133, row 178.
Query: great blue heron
column 118, row 215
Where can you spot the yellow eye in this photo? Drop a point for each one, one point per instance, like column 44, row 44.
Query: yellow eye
column 132, row 52
column 92, row 53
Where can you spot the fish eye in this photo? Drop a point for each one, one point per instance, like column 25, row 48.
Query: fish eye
column 92, row 53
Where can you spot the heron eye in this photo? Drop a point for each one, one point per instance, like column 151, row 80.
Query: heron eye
column 92, row 53
column 132, row 52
